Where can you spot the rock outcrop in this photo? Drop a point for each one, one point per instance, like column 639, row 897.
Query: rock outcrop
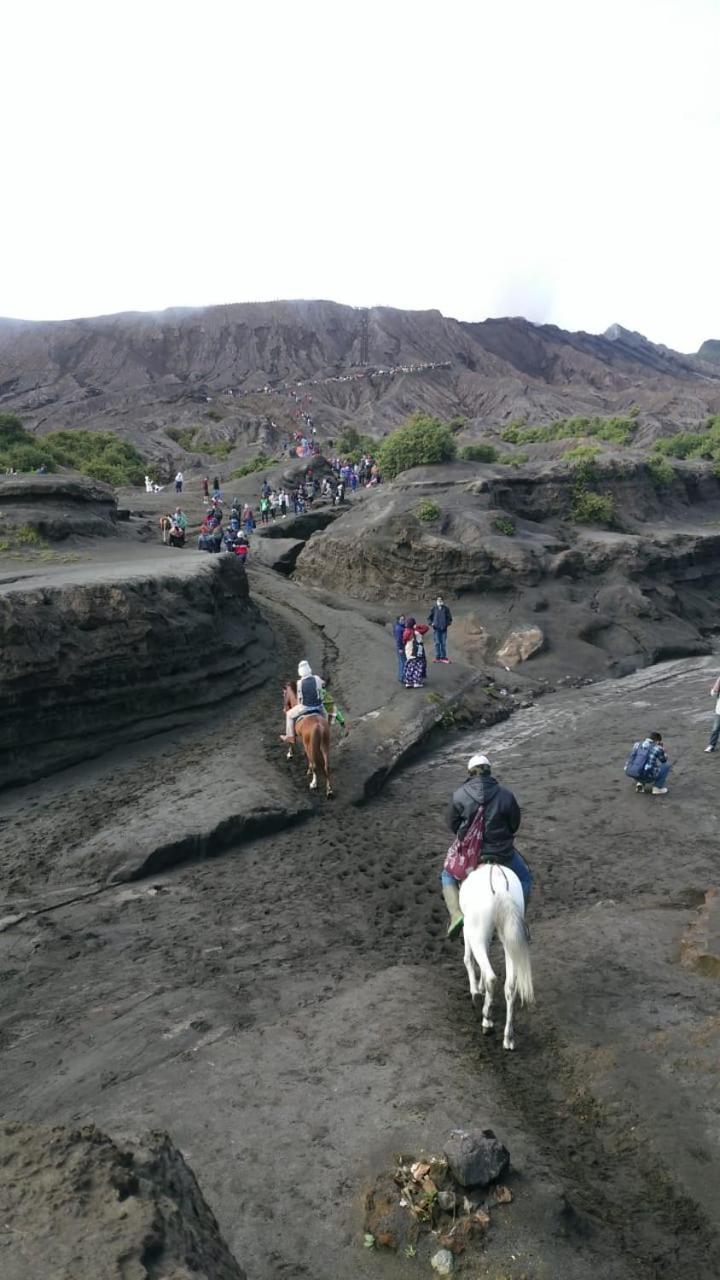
column 56, row 506
column 94, row 658
column 77, row 1205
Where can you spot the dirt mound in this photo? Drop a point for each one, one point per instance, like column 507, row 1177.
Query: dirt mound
column 76, row 1205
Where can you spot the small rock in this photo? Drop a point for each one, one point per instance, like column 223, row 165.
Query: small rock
column 503, row 1195
column 447, row 1201
column 442, row 1262
column 475, row 1157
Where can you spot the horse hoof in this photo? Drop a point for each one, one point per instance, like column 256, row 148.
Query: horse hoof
column 509, row 1044
column 488, row 1028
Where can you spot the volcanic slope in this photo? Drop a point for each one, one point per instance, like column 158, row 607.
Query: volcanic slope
column 140, row 373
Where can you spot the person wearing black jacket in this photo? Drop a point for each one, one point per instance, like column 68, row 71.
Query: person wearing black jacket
column 440, row 618
column 502, row 820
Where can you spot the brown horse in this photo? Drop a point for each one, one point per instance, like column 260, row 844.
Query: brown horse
column 314, row 733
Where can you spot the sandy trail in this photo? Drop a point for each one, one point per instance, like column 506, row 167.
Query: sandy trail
column 292, row 1013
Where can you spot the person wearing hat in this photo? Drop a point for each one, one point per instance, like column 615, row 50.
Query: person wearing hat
column 501, row 822
column 310, row 700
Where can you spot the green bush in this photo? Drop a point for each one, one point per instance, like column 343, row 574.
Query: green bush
column 222, row 449
column 513, row 459
column 421, row 442
column 614, row 430
column 660, row 471
column 479, row 453
column 214, row 415
column 592, row 508
column 503, row 524
column 352, row 445
column 428, row 510
column 582, row 459
column 18, row 448
column 102, row 455
column 258, row 463
column 184, row 436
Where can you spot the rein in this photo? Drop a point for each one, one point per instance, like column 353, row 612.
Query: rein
column 493, row 865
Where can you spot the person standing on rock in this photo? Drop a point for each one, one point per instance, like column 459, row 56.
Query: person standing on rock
column 715, row 732
column 414, row 674
column 398, row 629
column 491, row 841
column 440, row 618
column 179, row 482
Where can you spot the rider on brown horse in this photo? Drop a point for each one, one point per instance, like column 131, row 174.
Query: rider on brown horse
column 309, row 693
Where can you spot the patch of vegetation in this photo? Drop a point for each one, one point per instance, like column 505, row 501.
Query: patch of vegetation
column 184, row 436
column 422, row 441
column 503, row 524
column 701, row 444
column 582, row 458
column 615, row 430
column 457, row 424
column 428, row 510
column 214, row 415
column 102, row 455
column 352, row 445
column 479, row 453
column 592, row 508
column 446, row 714
column 660, row 472
column 258, row 463
column 222, row 449
column 513, row 459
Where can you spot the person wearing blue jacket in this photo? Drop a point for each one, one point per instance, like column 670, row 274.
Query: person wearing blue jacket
column 398, row 630
column 440, row 618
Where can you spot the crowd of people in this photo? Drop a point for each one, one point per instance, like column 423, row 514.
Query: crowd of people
column 358, row 375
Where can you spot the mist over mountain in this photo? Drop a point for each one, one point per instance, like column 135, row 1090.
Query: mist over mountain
column 140, row 373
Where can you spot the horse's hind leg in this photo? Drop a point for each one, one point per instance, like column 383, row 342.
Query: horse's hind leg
column 510, row 992
column 313, row 780
column 475, row 988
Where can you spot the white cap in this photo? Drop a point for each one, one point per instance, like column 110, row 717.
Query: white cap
column 475, row 762
column 304, row 669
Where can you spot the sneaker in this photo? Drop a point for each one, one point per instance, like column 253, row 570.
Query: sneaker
column 659, row 791
column 447, row 661
column 709, row 749
column 639, row 788
column 437, row 659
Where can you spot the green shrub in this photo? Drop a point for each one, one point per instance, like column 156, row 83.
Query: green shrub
column 633, row 411
column 582, row 459
column 660, row 472
column 427, row 510
column 592, row 508
column 184, row 436
column 102, row 455
column 421, row 442
column 513, row 459
column 503, row 524
column 479, row 453
column 352, row 444
column 614, row 430
column 214, row 415
column 222, row 449
column 258, row 463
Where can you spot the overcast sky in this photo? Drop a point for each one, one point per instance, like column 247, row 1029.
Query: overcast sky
column 551, row 158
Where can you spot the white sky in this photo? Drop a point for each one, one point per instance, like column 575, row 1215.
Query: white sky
column 556, row 159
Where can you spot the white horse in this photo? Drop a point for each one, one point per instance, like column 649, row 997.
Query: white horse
column 491, row 900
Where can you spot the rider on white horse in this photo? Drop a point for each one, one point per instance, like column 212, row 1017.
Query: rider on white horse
column 501, row 822
column 310, row 700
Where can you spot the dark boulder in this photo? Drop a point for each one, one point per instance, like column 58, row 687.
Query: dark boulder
column 475, row 1157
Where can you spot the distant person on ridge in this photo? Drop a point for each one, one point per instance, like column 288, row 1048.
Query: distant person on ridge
column 179, row 482
column 440, row 618
column 715, row 732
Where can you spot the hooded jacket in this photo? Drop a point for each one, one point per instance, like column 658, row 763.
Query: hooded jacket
column 440, row 617
column 502, row 815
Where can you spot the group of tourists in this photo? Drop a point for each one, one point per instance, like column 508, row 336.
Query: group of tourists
column 410, row 645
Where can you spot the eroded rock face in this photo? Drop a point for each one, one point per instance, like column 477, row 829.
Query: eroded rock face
column 89, row 664
column 77, row 1205
column 57, row 506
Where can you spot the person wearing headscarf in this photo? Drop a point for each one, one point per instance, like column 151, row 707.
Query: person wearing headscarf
column 414, row 676
column 310, row 700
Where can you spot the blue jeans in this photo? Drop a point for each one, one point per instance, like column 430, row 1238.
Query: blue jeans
column 661, row 775
column 715, row 734
column 401, row 665
column 440, row 642
column 516, row 864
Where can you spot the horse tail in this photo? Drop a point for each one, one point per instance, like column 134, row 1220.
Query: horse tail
column 513, row 933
